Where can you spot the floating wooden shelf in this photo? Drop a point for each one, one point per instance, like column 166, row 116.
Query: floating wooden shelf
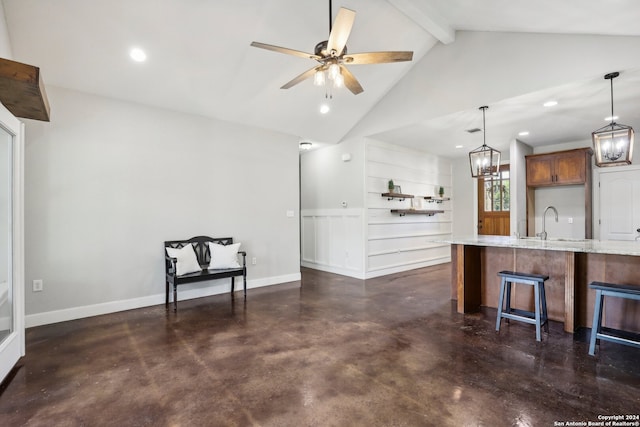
column 391, row 196
column 432, row 199
column 428, row 212
column 22, row 90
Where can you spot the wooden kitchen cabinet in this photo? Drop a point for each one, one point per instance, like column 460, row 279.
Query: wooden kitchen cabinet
column 559, row 168
column 570, row 167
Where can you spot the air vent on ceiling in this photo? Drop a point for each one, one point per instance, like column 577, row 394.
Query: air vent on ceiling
column 474, row 130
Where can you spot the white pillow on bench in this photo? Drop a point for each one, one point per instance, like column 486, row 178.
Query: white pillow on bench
column 223, row 256
column 186, row 259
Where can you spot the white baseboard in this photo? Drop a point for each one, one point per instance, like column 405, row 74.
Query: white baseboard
column 215, row 288
column 380, row 272
column 331, row 269
column 406, row 267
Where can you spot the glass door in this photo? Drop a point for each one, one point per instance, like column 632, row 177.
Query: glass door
column 494, row 200
column 11, row 246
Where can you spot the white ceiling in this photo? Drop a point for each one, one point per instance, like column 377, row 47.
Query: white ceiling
column 582, row 108
column 200, row 61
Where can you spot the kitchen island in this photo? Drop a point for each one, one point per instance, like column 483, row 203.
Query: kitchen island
column 570, row 263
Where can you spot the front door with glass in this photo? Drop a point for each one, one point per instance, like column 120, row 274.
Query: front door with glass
column 494, row 204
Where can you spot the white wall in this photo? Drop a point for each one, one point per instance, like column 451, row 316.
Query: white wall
column 464, row 199
column 397, row 243
column 5, row 42
column 326, row 180
column 569, row 202
column 332, row 215
column 518, row 186
column 108, row 181
column 561, row 147
column 5, row 52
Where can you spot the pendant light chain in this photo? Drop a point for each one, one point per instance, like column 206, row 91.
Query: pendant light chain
column 612, row 116
column 484, row 128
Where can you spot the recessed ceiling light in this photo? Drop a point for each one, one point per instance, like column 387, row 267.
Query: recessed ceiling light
column 550, row 103
column 610, row 119
column 324, row 109
column 305, row 145
column 524, row 133
column 459, row 146
column 137, row 54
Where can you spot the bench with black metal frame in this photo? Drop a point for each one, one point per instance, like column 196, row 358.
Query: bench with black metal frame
column 201, row 247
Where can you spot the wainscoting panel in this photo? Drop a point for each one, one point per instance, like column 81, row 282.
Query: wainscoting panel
column 332, row 240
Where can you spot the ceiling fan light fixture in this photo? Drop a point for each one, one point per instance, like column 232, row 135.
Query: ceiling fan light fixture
column 334, row 71
column 484, row 160
column 338, row 81
column 332, row 56
column 613, row 143
column 319, row 79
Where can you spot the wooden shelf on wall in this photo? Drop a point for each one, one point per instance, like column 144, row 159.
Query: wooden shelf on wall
column 399, row 196
column 428, row 212
column 432, row 199
column 22, row 90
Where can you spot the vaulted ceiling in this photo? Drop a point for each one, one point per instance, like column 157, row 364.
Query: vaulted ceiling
column 200, row 60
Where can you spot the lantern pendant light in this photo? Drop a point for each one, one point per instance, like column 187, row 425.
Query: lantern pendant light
column 613, row 143
column 484, row 160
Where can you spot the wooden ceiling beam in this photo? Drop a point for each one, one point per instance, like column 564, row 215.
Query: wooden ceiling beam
column 22, row 90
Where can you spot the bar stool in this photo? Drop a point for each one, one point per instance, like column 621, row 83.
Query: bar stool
column 598, row 332
column 539, row 316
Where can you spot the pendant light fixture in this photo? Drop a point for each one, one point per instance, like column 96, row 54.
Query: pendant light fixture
column 613, row 143
column 484, row 161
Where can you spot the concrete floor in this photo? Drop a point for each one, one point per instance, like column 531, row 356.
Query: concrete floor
column 338, row 351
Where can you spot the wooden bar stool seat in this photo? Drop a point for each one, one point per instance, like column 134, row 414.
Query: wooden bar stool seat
column 608, row 334
column 537, row 317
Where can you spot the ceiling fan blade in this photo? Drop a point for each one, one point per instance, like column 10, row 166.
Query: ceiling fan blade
column 285, row 50
column 350, row 81
column 341, row 30
column 307, row 74
column 378, row 57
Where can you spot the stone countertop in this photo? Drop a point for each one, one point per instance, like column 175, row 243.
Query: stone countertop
column 615, row 247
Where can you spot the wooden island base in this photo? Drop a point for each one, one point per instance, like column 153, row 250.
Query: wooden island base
column 475, row 282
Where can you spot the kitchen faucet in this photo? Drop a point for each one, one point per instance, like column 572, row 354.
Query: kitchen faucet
column 543, row 234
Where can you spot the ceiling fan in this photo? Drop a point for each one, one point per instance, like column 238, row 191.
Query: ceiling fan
column 332, row 55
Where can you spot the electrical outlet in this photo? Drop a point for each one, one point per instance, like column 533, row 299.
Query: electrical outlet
column 254, row 261
column 570, row 220
column 38, row 285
